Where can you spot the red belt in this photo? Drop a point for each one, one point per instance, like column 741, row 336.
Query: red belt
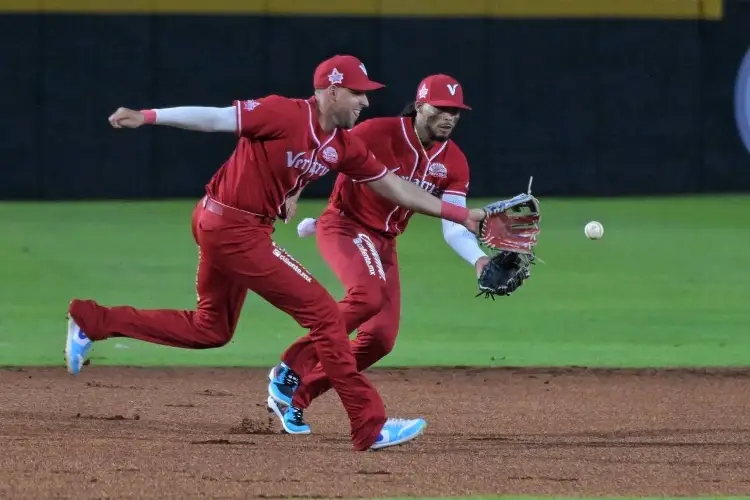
column 234, row 214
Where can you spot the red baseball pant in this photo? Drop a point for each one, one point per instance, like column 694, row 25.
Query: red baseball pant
column 237, row 253
column 367, row 265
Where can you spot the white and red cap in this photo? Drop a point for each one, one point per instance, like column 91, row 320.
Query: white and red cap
column 344, row 71
column 441, row 91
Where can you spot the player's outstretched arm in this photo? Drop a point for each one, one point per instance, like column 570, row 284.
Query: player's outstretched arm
column 462, row 241
column 198, row 118
column 407, row 195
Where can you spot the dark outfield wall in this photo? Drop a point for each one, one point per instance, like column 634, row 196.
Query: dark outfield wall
column 587, row 106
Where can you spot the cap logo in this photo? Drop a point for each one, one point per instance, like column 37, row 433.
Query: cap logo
column 452, row 88
column 362, row 67
column 422, row 92
column 336, row 77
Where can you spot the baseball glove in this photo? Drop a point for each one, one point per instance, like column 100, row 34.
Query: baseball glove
column 511, row 225
column 504, row 273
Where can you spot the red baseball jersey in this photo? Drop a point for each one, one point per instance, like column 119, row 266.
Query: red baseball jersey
column 441, row 169
column 280, row 150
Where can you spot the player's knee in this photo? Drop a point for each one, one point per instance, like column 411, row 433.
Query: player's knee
column 322, row 313
column 218, row 339
column 382, row 342
column 214, row 332
column 364, row 302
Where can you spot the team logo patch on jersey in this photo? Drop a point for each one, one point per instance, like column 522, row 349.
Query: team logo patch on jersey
column 330, row 155
column 437, row 170
column 250, row 105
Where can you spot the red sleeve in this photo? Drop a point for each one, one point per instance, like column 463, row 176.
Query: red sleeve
column 458, row 176
column 265, row 118
column 360, row 163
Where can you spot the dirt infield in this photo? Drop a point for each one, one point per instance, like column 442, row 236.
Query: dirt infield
column 179, row 433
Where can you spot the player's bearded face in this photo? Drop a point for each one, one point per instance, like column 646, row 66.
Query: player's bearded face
column 348, row 105
column 439, row 122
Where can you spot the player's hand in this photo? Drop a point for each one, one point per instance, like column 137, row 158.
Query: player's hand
column 476, row 215
column 291, row 208
column 126, row 118
column 480, row 264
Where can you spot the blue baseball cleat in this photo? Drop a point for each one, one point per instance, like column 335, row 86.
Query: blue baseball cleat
column 291, row 417
column 282, row 384
column 398, row 431
column 76, row 347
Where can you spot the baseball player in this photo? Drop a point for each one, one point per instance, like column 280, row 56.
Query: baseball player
column 357, row 234
column 283, row 145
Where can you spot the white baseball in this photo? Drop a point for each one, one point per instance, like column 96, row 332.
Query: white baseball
column 594, row 230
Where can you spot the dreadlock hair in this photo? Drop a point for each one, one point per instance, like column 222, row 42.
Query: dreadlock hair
column 410, row 110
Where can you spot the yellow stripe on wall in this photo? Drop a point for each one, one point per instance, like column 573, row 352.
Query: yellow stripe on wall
column 648, row 9
column 645, row 9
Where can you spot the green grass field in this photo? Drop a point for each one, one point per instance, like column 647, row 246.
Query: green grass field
column 666, row 286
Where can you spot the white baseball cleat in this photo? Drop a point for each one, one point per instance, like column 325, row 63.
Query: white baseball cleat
column 291, row 418
column 398, row 431
column 76, row 347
